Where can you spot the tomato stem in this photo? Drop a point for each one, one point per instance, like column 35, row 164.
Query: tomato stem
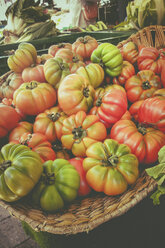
column 61, row 45
column 78, row 134
column 86, row 92
column 31, row 85
column 54, row 117
column 146, row 85
column 3, row 166
column 113, row 160
column 48, row 178
column 142, row 129
column 99, row 102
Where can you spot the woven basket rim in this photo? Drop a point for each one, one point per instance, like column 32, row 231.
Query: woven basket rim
column 85, row 214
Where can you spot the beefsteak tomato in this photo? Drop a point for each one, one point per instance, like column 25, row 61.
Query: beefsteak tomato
column 142, row 86
column 33, row 98
column 58, row 185
column 109, row 57
column 110, row 167
column 20, row 170
column 49, row 123
column 152, row 111
column 75, row 93
column 144, row 142
column 80, row 130
column 84, row 46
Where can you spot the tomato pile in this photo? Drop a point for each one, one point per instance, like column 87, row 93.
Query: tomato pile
column 84, row 117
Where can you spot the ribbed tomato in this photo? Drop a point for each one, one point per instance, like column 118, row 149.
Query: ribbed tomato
column 145, row 142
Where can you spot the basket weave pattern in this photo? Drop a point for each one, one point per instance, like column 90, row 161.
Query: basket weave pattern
column 85, row 214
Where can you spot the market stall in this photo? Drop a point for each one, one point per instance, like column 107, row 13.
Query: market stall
column 82, row 129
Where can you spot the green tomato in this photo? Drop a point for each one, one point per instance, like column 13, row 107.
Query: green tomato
column 59, row 183
column 20, row 170
column 109, row 57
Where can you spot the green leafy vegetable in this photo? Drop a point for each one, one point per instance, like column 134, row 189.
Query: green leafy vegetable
column 158, row 174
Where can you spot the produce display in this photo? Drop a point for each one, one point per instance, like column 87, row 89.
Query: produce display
column 27, row 20
column 84, row 117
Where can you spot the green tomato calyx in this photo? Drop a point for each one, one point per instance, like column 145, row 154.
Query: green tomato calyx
column 99, row 102
column 48, row 178
column 113, row 160
column 31, row 85
column 54, row 117
column 142, row 129
column 3, row 166
column 86, row 92
column 78, row 134
column 146, row 85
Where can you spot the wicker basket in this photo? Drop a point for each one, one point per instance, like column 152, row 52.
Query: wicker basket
column 85, row 214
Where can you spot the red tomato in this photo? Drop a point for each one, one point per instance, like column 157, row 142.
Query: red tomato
column 110, row 104
column 152, row 111
column 142, row 86
column 84, row 46
column 134, row 109
column 34, row 73
column 21, row 128
column 54, row 48
column 78, row 164
column 80, row 130
column 149, row 59
column 128, row 71
column 39, row 144
column 145, row 142
column 163, row 75
column 8, row 119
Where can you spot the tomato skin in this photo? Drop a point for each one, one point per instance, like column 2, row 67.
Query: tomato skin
column 144, row 142
column 110, row 167
column 65, row 54
column 33, row 98
column 34, row 73
column 54, row 48
column 74, row 94
column 128, row 71
column 20, row 174
column 80, row 130
column 8, row 119
column 58, row 185
column 130, row 52
column 55, row 71
column 9, row 102
column 84, row 188
column 24, row 56
column 84, row 46
column 13, row 81
column 134, row 109
column 142, row 86
column 110, row 105
column 49, row 123
column 149, row 59
column 93, row 72
column 163, row 75
column 110, row 57
column 152, row 111
column 21, row 128
column 159, row 93
column 38, row 143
